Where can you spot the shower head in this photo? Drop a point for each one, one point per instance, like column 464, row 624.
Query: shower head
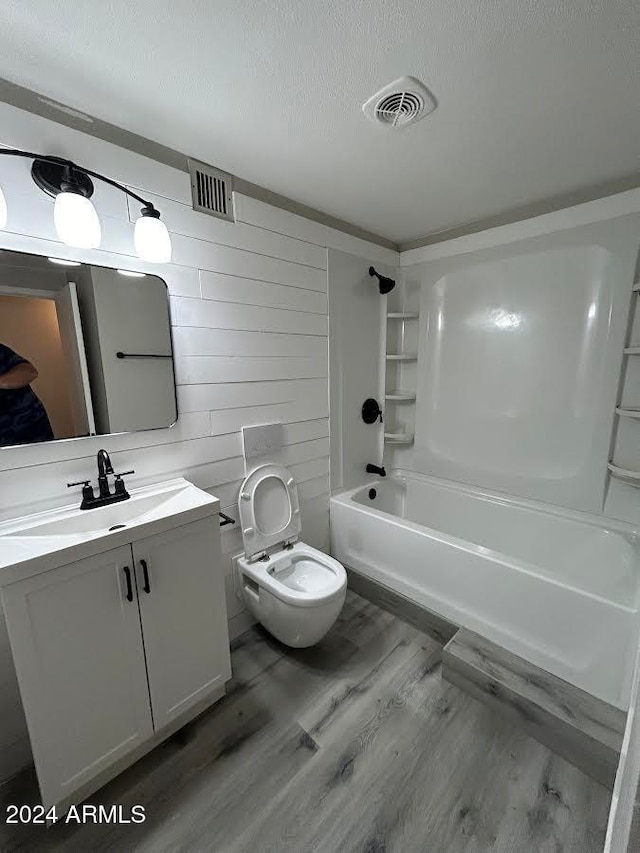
column 386, row 284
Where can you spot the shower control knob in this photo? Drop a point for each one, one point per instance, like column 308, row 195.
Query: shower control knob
column 371, row 411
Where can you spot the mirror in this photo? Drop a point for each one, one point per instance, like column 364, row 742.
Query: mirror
column 84, row 350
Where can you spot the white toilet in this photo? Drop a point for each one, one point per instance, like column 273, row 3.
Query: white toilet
column 292, row 589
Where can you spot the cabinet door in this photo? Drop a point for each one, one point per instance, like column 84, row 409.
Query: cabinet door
column 184, row 620
column 77, row 647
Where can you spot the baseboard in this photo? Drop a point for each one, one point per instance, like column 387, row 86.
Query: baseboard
column 581, row 728
column 420, row 617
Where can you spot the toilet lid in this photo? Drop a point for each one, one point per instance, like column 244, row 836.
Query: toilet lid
column 269, row 509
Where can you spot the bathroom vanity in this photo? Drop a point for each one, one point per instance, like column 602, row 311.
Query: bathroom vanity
column 118, row 629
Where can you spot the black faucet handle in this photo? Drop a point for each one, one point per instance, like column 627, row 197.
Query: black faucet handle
column 371, row 411
column 88, row 495
column 119, row 486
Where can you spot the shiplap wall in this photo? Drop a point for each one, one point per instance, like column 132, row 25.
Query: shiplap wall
column 250, row 326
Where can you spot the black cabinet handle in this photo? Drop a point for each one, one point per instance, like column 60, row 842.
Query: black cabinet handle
column 127, row 574
column 145, row 572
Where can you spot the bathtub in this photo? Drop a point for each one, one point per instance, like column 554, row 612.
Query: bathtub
column 557, row 587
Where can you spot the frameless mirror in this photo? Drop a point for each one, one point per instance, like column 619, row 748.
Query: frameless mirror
column 84, row 350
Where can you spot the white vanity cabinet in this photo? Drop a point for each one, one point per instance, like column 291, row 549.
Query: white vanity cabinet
column 79, row 656
column 185, row 638
column 116, row 651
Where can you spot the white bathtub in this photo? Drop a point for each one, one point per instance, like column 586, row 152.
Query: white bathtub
column 557, row 587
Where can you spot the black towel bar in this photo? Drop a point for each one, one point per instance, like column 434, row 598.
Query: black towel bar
column 121, row 354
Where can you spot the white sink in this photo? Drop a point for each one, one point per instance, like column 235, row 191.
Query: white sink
column 100, row 519
column 33, row 543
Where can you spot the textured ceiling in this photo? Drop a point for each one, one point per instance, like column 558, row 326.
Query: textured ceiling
column 536, row 98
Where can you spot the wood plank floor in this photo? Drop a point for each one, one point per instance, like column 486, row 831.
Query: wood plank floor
column 355, row 745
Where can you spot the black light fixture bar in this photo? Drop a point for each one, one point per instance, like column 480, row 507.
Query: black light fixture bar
column 148, row 206
column 76, row 220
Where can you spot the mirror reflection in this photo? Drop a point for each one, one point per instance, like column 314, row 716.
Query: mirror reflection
column 84, row 350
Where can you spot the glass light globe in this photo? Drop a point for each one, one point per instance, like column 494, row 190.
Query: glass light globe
column 3, row 209
column 76, row 221
column 152, row 241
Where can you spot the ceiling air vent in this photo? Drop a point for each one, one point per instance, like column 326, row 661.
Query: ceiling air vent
column 401, row 103
column 211, row 190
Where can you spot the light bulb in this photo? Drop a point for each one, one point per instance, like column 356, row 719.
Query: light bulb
column 3, row 209
column 151, row 239
column 63, row 262
column 132, row 274
column 76, row 221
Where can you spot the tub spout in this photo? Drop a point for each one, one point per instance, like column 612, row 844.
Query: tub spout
column 375, row 469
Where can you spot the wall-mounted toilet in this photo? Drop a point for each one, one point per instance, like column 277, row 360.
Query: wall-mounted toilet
column 294, row 590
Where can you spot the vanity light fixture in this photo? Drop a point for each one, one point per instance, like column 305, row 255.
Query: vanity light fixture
column 74, row 215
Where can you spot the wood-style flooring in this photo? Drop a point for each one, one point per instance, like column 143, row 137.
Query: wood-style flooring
column 354, row 745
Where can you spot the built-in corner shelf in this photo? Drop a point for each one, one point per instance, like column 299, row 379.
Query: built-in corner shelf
column 400, row 396
column 627, row 413
column 631, row 477
column 399, row 438
column 403, row 337
column 401, row 315
column 624, row 474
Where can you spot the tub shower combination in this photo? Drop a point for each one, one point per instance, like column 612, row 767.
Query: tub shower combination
column 557, row 587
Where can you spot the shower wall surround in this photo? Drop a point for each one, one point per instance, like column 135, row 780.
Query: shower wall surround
column 250, row 328
column 520, row 354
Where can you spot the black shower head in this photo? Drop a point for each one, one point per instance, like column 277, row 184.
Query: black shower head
column 386, row 284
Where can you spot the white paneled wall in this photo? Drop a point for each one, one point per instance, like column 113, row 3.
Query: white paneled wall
column 250, row 328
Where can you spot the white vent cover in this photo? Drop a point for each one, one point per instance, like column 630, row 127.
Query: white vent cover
column 211, row 190
column 400, row 104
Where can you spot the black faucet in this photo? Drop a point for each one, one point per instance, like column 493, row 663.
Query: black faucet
column 105, row 496
column 104, row 467
column 375, row 469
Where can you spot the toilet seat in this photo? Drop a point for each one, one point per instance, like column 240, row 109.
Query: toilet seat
column 269, row 510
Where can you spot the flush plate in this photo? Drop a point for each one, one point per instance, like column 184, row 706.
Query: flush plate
column 261, row 440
